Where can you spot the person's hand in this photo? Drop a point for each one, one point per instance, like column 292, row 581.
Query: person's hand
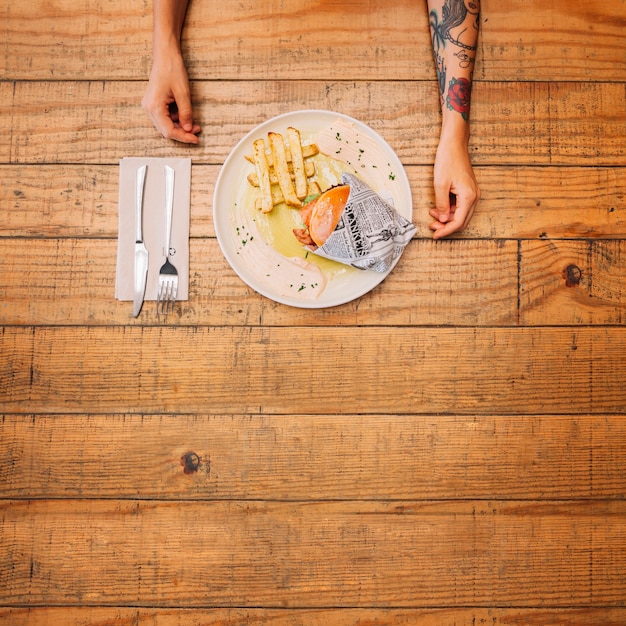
column 167, row 100
column 456, row 189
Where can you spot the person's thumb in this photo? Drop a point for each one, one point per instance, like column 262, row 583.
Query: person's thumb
column 185, row 113
column 442, row 204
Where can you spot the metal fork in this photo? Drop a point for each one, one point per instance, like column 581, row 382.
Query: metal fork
column 168, row 275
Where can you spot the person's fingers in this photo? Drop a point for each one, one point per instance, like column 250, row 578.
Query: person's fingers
column 442, row 208
column 169, row 108
column 178, row 134
column 443, row 212
column 443, row 230
column 170, row 128
column 461, row 216
column 182, row 116
column 185, row 113
column 456, row 190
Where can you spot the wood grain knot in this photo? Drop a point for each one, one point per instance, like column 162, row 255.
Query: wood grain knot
column 573, row 275
column 190, row 462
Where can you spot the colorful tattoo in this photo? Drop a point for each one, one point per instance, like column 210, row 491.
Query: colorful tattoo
column 458, row 26
column 459, row 95
column 439, row 43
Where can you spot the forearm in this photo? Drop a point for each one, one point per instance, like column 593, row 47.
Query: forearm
column 169, row 17
column 454, row 31
column 167, row 100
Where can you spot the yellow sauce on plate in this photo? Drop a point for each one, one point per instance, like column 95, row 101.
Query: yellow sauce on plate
column 264, row 243
column 276, row 227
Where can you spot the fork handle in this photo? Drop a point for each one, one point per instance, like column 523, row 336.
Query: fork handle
column 169, row 206
column 140, row 183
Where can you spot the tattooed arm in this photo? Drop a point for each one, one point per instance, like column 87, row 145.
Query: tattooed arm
column 454, row 31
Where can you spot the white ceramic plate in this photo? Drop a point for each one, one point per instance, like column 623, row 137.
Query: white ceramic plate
column 232, row 220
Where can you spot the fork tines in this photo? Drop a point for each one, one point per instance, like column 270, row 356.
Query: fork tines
column 168, row 275
column 168, row 289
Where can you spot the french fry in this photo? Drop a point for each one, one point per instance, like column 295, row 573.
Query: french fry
column 297, row 162
column 281, row 169
column 309, row 171
column 277, row 198
column 263, row 175
column 308, row 150
column 285, row 177
column 313, row 189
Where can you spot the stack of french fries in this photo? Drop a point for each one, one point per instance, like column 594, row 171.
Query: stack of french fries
column 284, row 173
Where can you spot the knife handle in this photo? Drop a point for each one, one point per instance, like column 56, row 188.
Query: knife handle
column 140, row 183
column 169, row 206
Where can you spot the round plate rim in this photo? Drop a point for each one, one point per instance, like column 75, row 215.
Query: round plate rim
column 221, row 223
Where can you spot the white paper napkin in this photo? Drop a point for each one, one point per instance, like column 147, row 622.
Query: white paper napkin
column 154, row 224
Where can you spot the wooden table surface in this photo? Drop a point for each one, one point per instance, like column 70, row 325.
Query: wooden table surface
column 449, row 448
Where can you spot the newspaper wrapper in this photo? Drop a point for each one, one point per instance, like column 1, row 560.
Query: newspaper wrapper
column 371, row 234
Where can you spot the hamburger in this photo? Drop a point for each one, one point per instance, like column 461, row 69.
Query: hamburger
column 321, row 216
column 351, row 224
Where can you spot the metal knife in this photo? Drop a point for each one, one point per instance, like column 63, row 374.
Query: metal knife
column 141, row 252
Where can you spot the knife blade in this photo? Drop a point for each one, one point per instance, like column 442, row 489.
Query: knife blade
column 141, row 252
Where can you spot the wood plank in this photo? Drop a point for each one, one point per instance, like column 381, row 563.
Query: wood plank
column 223, row 40
column 323, row 555
column 113, row 616
column 90, row 122
column 97, row 123
column 227, row 40
column 552, row 40
column 573, row 282
column 60, row 41
column 516, row 202
column 60, row 201
column 368, row 369
column 550, row 202
column 313, row 457
column 72, row 281
column 6, row 113
column 513, row 123
column 580, row 110
column 329, row 39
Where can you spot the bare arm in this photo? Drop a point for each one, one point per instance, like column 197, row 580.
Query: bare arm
column 454, row 30
column 167, row 100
